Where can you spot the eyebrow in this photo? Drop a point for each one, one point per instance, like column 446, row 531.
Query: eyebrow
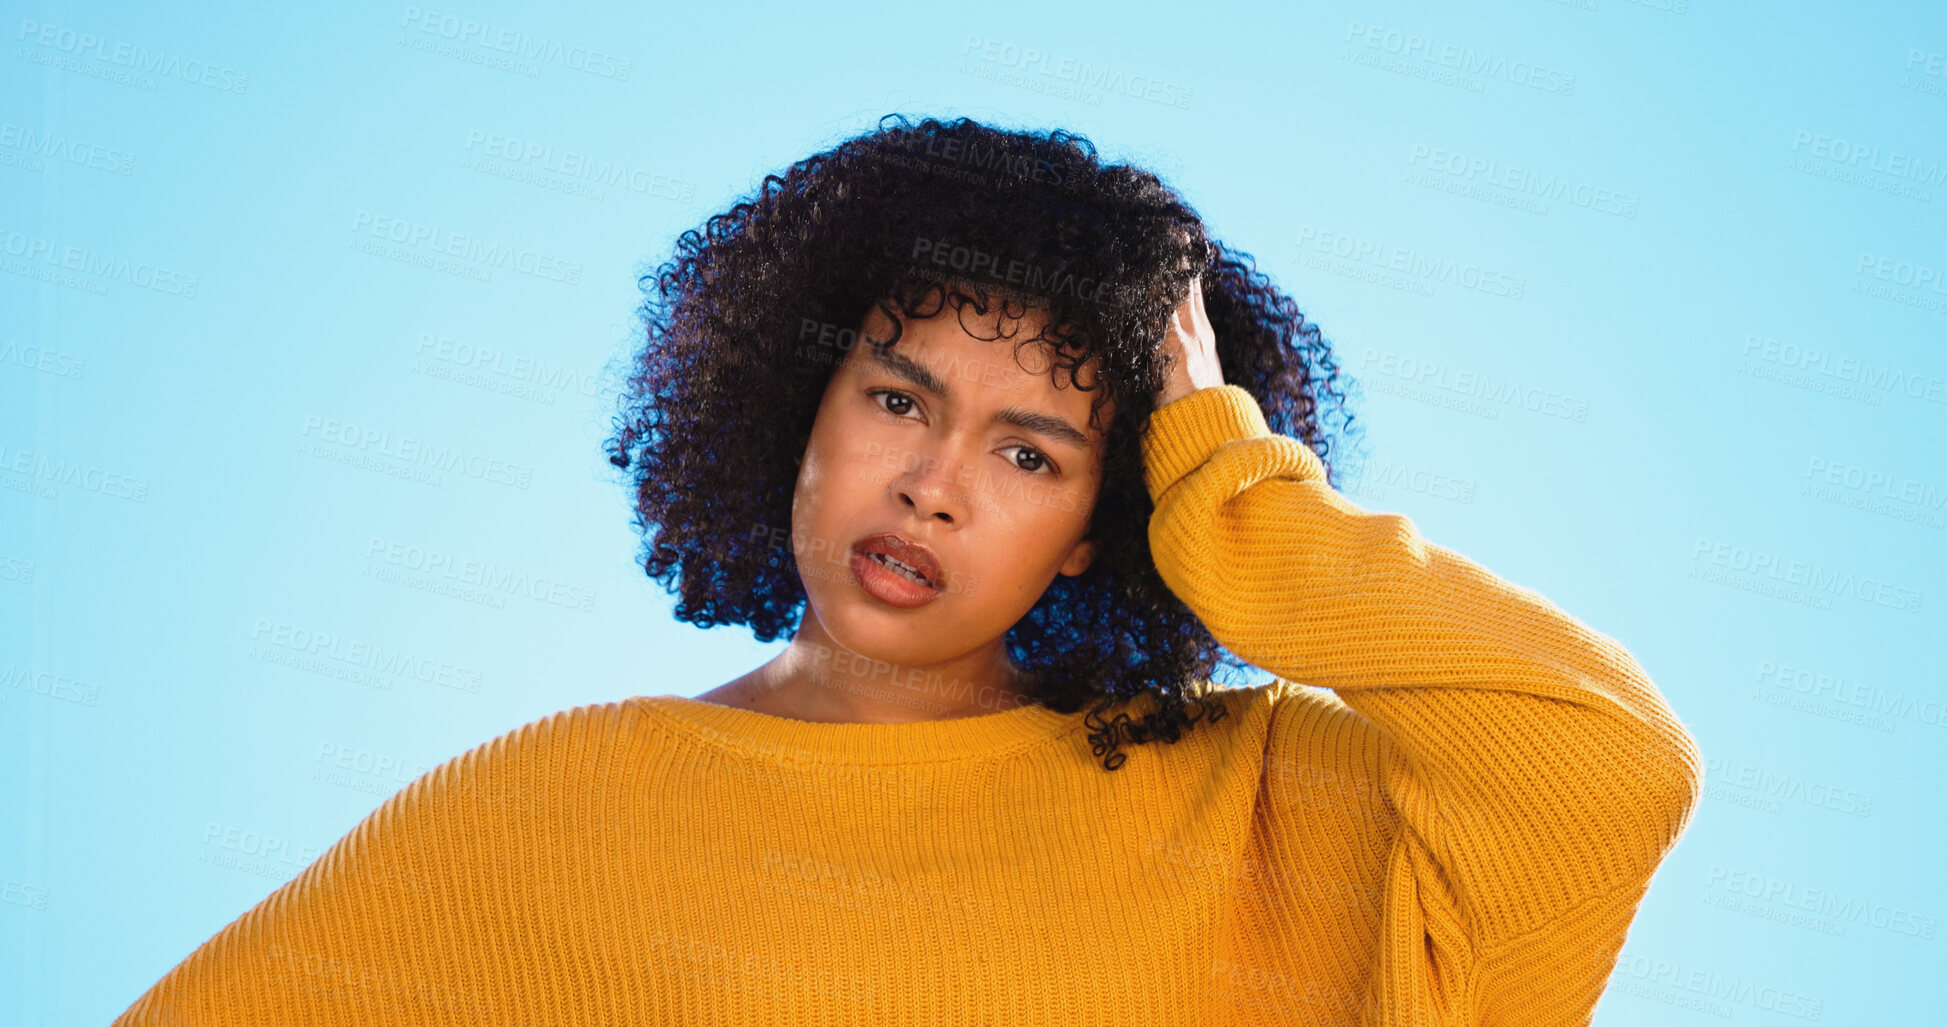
column 919, row 374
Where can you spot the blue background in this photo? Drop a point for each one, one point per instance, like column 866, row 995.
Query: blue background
column 1711, row 423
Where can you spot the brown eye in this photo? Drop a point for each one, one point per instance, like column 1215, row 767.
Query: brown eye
column 896, row 396
column 1041, row 463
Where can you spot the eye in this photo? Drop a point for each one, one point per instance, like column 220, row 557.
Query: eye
column 897, row 396
column 1041, row 464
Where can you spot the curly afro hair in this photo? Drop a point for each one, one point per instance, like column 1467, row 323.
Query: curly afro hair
column 724, row 388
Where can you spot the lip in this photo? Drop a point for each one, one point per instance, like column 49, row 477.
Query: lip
column 888, row 586
column 906, row 551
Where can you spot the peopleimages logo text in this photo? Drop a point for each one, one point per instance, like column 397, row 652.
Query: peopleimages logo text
column 520, row 44
column 1034, row 278
column 1079, row 72
column 487, row 576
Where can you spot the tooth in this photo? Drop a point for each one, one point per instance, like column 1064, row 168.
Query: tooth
column 900, row 566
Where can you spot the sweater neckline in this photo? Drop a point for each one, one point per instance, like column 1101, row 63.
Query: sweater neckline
column 923, row 741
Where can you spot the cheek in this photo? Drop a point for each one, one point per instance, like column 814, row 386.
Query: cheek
column 847, row 450
column 846, row 473
column 841, row 470
column 1036, row 529
column 831, row 459
column 811, row 496
column 1062, row 508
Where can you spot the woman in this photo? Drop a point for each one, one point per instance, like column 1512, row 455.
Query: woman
column 1014, row 453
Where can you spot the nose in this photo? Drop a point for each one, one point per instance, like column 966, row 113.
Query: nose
column 935, row 486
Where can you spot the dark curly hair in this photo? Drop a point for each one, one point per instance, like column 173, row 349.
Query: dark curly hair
column 724, row 388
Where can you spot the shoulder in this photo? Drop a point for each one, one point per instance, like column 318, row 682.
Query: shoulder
column 535, row 770
column 542, row 773
column 430, row 865
column 1286, row 719
column 1310, row 757
column 599, row 721
column 510, row 772
column 1317, row 743
column 1289, row 705
column 551, row 736
column 1308, row 709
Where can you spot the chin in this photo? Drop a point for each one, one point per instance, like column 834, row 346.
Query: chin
column 897, row 637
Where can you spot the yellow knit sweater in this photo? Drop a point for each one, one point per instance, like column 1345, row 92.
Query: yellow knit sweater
column 1444, row 811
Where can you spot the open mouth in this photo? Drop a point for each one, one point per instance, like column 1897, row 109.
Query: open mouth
column 906, row 571
column 901, row 555
column 896, row 570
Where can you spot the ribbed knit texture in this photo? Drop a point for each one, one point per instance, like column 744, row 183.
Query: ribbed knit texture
column 1454, row 827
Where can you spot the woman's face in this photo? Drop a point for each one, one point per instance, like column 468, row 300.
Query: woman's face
column 949, row 443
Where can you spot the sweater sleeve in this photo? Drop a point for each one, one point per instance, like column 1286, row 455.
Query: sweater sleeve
column 376, row 930
column 1536, row 775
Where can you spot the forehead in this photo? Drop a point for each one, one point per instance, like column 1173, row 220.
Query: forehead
column 985, row 361
column 976, row 353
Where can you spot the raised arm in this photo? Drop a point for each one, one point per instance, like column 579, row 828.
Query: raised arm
column 1538, row 776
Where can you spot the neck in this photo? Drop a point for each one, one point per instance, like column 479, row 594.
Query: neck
column 817, row 679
